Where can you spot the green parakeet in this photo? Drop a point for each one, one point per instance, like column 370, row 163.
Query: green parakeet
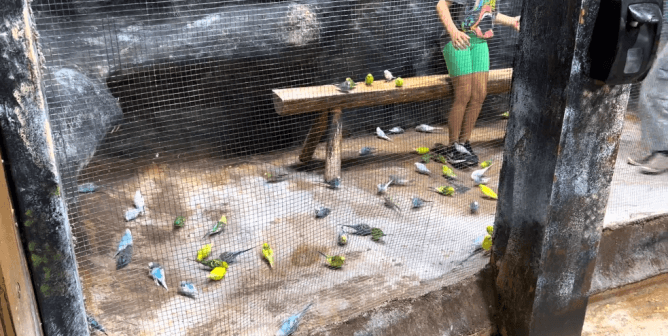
column 426, row 158
column 445, row 190
column 448, row 172
column 376, row 234
column 505, row 115
column 441, row 159
column 369, row 79
column 490, row 229
column 222, row 222
column 179, row 221
column 487, row 242
column 204, row 252
column 213, row 263
column 268, row 254
column 399, row 82
column 334, row 261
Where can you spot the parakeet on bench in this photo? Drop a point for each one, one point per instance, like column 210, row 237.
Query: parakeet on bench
column 369, row 79
column 367, row 151
column 418, row 202
column 334, row 261
column 388, row 75
column 346, row 86
column 291, row 324
column 426, row 128
column 396, row 130
column 268, row 254
column 322, row 212
column 158, row 274
column 204, row 252
column 382, row 188
column 400, row 180
column 188, row 289
column 399, row 82
column 360, row 229
column 218, row 273
column 139, row 201
column 381, row 134
column 422, row 169
column 218, row 227
column 95, row 325
column 231, row 257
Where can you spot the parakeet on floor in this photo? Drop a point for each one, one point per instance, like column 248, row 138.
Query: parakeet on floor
column 275, row 177
column 418, row 202
column 441, row 159
column 231, row 257
column 478, row 176
column 322, row 212
column 421, row 150
column 388, row 75
column 376, row 234
column 343, row 238
column 448, row 172
column 474, row 207
column 369, row 79
column 268, row 254
column 382, row 188
column 426, row 158
column 131, row 214
column 400, row 180
column 426, row 128
column 390, row 204
column 126, row 241
column 490, row 229
column 212, row 263
column 445, row 190
column 158, row 274
column 381, row 134
column 86, row 188
column 218, row 273
column 396, row 130
column 505, row 115
column 360, row 229
column 124, row 257
column 188, row 289
column 335, row 183
column 487, row 191
column 367, row 151
column 334, row 261
column 95, row 325
column 179, row 221
column 204, row 252
column 486, row 163
column 422, row 169
column 399, row 82
column 139, row 201
column 291, row 324
column 218, row 227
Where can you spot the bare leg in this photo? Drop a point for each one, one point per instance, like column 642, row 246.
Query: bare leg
column 462, row 87
column 478, row 94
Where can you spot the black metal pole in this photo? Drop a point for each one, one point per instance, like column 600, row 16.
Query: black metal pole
column 27, row 142
column 560, row 150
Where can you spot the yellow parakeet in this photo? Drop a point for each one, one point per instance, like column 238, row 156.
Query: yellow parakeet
column 204, row 252
column 399, row 82
column 490, row 229
column 268, row 254
column 486, row 164
column 422, row 150
column 448, row 172
column 445, row 190
column 487, row 242
column 487, row 191
column 218, row 273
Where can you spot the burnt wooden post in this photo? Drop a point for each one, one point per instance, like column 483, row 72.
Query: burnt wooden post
column 29, row 151
column 560, row 150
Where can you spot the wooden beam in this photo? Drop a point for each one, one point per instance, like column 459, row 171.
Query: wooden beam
column 313, row 137
column 333, row 160
column 315, row 98
column 18, row 308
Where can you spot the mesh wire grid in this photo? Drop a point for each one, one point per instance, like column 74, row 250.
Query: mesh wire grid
column 174, row 99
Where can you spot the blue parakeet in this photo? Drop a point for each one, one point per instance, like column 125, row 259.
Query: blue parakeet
column 322, row 212
column 86, row 188
column 126, row 240
column 131, row 214
column 158, row 274
column 291, row 324
column 124, row 257
column 188, row 289
column 367, row 151
column 95, row 325
column 418, row 202
column 421, row 168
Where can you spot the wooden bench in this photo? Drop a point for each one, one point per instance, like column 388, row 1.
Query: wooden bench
column 327, row 99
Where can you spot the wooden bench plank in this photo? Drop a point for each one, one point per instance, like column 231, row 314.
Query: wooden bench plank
column 326, row 97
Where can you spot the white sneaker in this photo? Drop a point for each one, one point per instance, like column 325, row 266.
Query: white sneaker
column 642, row 161
column 656, row 165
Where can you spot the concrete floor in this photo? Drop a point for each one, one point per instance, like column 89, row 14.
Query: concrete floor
column 421, row 253
column 638, row 309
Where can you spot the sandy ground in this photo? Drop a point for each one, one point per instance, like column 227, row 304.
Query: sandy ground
column 422, row 251
column 639, row 309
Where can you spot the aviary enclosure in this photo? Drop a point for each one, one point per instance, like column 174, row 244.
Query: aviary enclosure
column 173, row 117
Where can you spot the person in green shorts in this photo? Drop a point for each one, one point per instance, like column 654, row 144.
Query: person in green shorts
column 468, row 26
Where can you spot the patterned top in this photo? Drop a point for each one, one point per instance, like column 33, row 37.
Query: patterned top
column 474, row 17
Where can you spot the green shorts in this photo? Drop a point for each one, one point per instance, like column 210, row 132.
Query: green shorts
column 473, row 59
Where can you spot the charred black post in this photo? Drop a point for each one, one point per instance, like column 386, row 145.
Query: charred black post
column 27, row 142
column 560, row 150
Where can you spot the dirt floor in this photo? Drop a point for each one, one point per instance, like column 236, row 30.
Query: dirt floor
column 422, row 251
column 638, row 309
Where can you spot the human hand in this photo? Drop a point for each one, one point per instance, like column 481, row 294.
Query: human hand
column 460, row 40
column 516, row 23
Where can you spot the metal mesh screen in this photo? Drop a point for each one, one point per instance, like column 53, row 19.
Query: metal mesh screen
column 175, row 100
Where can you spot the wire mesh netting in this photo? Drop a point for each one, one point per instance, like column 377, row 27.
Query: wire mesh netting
column 166, row 120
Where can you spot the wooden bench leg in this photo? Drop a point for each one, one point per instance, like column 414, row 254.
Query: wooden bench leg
column 333, row 159
column 313, row 137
